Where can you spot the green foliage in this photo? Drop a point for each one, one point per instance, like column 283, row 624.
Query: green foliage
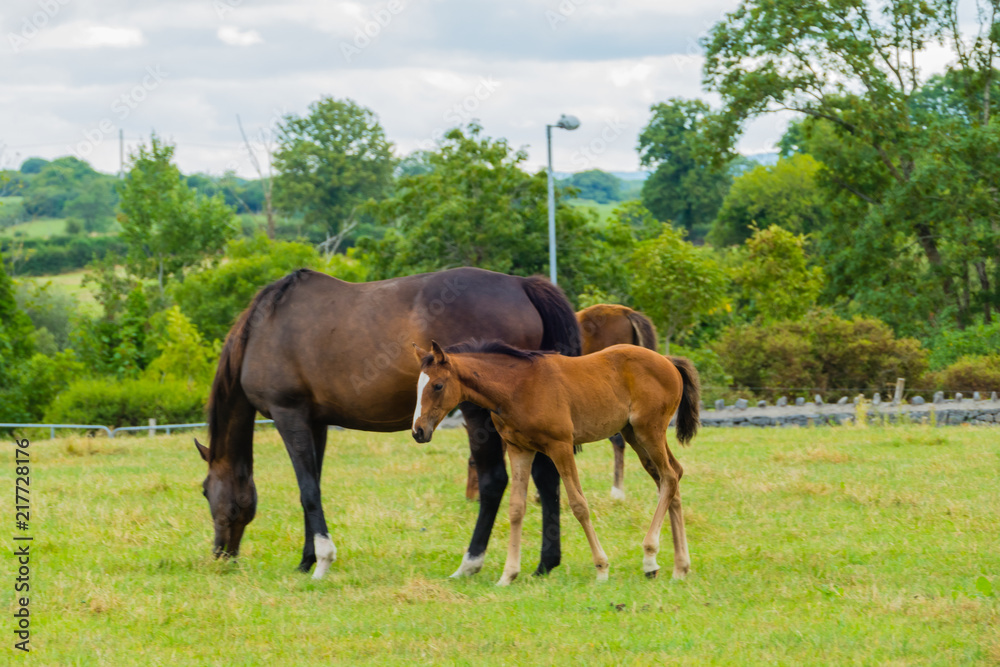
column 214, row 297
column 49, row 309
column 715, row 381
column 687, row 186
column 184, row 355
column 45, row 257
column 675, row 283
column 635, row 217
column 951, row 344
column 819, row 353
column 909, row 164
column 132, row 402
column 476, row 207
column 596, row 185
column 330, row 161
column 16, row 340
column 773, row 277
column 785, row 195
column 166, row 225
column 32, row 386
column 970, row 373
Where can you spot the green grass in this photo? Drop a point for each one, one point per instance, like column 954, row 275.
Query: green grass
column 819, row 546
column 603, row 211
column 41, row 228
column 69, row 283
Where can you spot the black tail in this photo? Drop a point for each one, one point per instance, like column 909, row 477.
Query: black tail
column 561, row 330
column 645, row 332
column 688, row 419
column 226, row 400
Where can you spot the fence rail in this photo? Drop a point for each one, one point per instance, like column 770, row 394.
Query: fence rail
column 112, row 431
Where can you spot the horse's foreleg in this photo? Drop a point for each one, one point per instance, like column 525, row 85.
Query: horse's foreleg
column 520, row 470
column 487, row 451
column 546, row 477
column 618, row 486
column 319, row 434
column 299, row 435
column 562, row 456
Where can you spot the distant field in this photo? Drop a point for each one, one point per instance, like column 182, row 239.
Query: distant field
column 41, row 228
column 69, row 283
column 827, row 546
column 603, row 211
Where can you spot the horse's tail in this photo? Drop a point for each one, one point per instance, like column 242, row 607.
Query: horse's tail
column 688, row 419
column 229, row 410
column 645, row 332
column 561, row 329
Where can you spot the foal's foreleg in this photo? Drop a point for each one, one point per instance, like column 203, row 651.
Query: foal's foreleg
column 562, row 456
column 520, row 470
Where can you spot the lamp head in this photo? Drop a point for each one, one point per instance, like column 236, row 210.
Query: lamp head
column 568, row 122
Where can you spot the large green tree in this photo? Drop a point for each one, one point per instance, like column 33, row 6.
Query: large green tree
column 688, row 184
column 906, row 160
column 166, row 225
column 475, row 206
column 676, row 283
column 773, row 276
column 329, row 161
column 785, row 194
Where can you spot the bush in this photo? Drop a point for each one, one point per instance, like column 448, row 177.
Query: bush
column 715, row 382
column 970, row 373
column 60, row 254
column 113, row 402
column 952, row 344
column 31, row 386
column 820, row 353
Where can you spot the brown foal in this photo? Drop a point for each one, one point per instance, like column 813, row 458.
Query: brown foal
column 548, row 403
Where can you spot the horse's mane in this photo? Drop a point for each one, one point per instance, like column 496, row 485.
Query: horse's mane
column 486, row 347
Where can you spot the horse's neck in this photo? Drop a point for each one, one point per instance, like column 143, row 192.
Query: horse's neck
column 489, row 384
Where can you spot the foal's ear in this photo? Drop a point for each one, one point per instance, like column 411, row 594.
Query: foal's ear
column 419, row 352
column 439, row 356
column 203, row 450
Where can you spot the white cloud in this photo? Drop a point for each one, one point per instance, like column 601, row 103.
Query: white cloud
column 233, row 36
column 87, row 35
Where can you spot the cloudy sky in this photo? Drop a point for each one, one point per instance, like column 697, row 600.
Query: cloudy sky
column 74, row 72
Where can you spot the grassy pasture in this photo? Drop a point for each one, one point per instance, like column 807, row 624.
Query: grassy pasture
column 40, row 228
column 71, row 284
column 809, row 546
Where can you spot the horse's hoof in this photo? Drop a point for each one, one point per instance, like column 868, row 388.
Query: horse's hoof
column 505, row 580
column 679, row 575
column 652, row 574
column 602, row 575
column 470, row 565
column 617, row 494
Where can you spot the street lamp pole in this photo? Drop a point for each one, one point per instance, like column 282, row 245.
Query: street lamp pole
column 566, row 123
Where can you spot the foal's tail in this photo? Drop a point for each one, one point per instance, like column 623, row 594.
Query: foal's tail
column 688, row 420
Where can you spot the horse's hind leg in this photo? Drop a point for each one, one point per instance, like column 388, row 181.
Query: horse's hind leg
column 562, row 456
column 546, row 477
column 319, row 434
column 520, row 470
column 299, row 437
column 618, row 486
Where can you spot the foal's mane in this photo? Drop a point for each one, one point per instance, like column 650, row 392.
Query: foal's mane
column 486, row 347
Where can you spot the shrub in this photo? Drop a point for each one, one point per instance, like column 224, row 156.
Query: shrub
column 715, row 381
column 819, row 353
column 113, row 402
column 970, row 373
column 952, row 344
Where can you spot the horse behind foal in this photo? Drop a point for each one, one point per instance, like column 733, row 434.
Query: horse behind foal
column 544, row 403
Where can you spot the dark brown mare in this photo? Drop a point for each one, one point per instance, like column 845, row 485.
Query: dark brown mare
column 311, row 351
column 547, row 404
column 603, row 325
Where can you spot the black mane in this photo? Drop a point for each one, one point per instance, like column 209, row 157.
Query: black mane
column 486, row 347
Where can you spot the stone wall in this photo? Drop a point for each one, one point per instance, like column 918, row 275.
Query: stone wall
column 950, row 412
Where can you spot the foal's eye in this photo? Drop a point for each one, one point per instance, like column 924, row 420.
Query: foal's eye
column 438, row 387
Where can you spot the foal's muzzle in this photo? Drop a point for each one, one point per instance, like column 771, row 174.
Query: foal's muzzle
column 421, row 435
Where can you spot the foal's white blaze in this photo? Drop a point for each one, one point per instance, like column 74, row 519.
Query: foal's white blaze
column 326, row 553
column 421, row 383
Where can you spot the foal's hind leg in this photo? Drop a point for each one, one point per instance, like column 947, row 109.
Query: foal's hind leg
column 650, row 445
column 618, row 486
column 520, row 470
column 562, row 455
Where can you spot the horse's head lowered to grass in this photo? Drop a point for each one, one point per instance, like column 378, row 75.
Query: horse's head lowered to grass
column 438, row 391
column 232, row 498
